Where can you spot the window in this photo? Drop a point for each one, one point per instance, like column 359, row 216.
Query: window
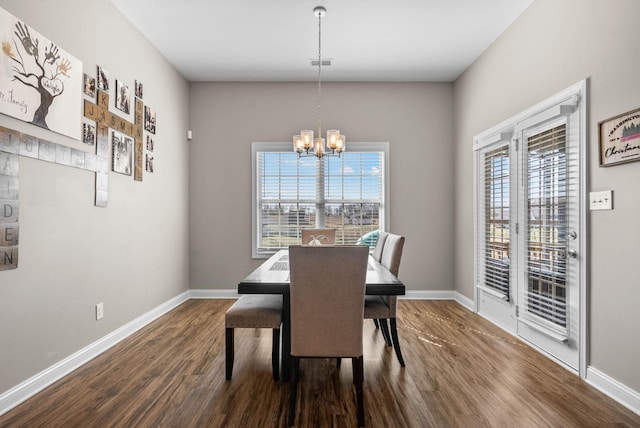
column 346, row 193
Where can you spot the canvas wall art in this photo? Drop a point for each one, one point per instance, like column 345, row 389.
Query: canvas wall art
column 40, row 83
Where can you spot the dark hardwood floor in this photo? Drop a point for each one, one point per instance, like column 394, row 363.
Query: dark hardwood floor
column 462, row 371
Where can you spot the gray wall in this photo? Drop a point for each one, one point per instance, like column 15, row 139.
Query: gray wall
column 415, row 118
column 554, row 44
column 132, row 255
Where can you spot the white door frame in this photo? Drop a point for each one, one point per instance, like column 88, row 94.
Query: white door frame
column 573, row 95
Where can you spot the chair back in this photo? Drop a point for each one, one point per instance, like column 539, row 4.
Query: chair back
column 327, row 288
column 391, row 256
column 392, row 253
column 318, row 236
column 377, row 250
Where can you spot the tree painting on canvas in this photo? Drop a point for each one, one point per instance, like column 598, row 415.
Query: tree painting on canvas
column 40, row 83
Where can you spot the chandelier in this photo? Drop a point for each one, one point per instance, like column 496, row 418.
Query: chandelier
column 304, row 144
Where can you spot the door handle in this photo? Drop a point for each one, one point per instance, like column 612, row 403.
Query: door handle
column 572, row 253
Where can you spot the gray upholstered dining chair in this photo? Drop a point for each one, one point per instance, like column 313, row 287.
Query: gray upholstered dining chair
column 377, row 254
column 377, row 250
column 327, row 304
column 254, row 311
column 318, row 236
column 383, row 308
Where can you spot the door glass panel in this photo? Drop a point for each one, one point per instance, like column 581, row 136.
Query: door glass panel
column 496, row 205
column 546, row 297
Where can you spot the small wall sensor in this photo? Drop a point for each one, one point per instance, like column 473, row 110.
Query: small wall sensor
column 189, row 135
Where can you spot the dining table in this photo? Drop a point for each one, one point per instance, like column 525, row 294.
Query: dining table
column 272, row 277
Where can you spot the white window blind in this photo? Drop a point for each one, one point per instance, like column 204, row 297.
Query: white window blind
column 346, row 193
column 546, row 297
column 493, row 238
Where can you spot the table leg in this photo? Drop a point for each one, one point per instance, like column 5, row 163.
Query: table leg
column 286, row 338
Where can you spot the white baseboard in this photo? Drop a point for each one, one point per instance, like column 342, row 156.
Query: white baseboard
column 428, row 295
column 37, row 383
column 464, row 301
column 439, row 295
column 614, row 389
column 200, row 293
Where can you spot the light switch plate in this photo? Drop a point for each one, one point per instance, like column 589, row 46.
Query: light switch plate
column 602, row 200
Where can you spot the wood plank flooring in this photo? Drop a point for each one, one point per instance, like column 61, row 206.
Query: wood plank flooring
column 462, row 371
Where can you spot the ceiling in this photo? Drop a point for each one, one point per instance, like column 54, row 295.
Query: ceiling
column 366, row 40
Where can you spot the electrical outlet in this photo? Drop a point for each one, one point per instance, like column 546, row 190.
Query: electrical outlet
column 601, row 200
column 99, row 311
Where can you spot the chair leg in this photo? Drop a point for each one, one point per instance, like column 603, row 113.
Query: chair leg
column 375, row 322
column 339, row 362
column 358, row 363
column 385, row 331
column 275, row 354
column 295, row 365
column 396, row 343
column 229, row 352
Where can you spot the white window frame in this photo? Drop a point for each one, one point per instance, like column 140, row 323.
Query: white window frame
column 257, row 147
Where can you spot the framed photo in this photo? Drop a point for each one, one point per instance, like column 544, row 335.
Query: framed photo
column 103, row 79
column 123, row 97
column 149, row 143
column 89, row 85
column 122, row 152
column 620, row 139
column 139, row 89
column 148, row 162
column 89, row 134
column 150, row 119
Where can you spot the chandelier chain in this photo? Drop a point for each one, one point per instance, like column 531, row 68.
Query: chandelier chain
column 319, row 74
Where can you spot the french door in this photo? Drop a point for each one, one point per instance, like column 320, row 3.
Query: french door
column 530, row 228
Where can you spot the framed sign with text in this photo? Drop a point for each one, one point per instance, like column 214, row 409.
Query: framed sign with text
column 620, row 139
